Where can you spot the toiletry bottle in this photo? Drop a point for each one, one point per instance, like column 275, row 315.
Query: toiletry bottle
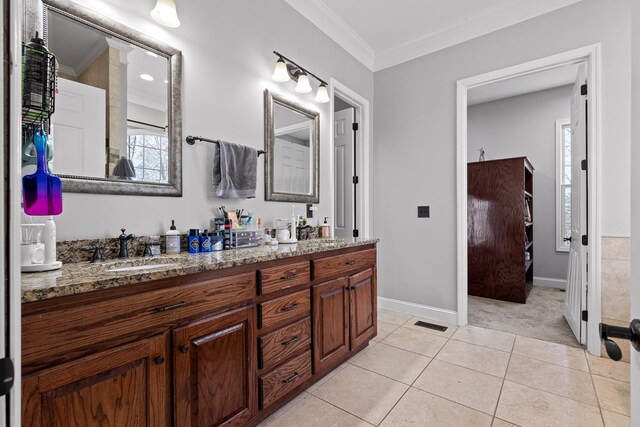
column 193, row 241
column 325, row 229
column 49, row 240
column 172, row 239
column 294, row 222
column 205, row 242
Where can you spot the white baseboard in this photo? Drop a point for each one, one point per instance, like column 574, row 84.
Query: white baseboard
column 547, row 282
column 424, row 311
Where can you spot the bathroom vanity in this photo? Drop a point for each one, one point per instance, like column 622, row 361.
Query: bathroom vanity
column 212, row 339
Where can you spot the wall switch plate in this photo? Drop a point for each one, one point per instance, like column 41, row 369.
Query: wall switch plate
column 423, row 211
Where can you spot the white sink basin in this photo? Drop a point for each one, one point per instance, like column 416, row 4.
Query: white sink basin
column 144, row 267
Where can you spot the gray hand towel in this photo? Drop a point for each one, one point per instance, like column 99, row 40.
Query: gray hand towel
column 234, row 171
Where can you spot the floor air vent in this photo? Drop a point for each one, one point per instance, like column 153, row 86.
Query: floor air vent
column 431, row 326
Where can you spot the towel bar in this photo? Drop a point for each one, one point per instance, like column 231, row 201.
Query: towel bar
column 192, row 140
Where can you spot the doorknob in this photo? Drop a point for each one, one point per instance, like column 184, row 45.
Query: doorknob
column 567, row 239
column 632, row 333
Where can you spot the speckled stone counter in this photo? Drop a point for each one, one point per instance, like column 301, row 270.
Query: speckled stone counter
column 84, row 277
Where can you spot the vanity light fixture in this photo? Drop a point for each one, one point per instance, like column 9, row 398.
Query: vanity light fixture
column 286, row 70
column 165, row 13
column 147, row 77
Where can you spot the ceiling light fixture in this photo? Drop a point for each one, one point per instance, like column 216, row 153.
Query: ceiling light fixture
column 165, row 13
column 146, row 77
column 286, row 70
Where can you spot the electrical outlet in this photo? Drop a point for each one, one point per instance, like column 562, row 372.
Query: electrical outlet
column 423, row 211
column 310, row 210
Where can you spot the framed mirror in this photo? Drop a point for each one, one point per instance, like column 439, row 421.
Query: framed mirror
column 292, row 141
column 117, row 125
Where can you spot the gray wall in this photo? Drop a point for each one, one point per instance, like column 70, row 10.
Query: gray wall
column 525, row 126
column 228, row 62
column 415, row 141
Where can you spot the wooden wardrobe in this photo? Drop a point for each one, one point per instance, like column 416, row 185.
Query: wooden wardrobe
column 500, row 229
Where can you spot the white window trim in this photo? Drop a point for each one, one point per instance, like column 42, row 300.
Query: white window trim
column 559, row 156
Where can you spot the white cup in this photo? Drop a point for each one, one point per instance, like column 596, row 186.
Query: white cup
column 283, row 234
column 32, row 253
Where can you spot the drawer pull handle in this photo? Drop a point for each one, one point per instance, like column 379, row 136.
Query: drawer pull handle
column 352, row 262
column 289, row 308
column 291, row 379
column 183, row 348
column 289, row 277
column 170, row 307
column 291, row 341
column 159, row 360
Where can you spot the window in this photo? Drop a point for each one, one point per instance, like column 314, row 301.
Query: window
column 563, row 184
column 149, row 153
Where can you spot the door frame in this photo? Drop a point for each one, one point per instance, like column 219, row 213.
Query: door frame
column 591, row 56
column 364, row 160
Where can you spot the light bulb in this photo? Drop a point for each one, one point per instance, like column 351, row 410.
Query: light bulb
column 280, row 73
column 165, row 13
column 322, row 95
column 303, row 85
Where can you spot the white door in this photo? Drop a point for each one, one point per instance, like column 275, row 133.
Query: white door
column 78, row 130
column 576, row 297
column 343, row 160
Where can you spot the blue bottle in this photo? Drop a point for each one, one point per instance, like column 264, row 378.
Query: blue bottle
column 193, row 241
column 205, row 242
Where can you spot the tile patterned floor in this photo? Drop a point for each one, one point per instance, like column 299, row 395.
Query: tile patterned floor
column 470, row 376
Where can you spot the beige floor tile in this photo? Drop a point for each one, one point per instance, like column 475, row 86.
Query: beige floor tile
column 451, row 329
column 419, row 408
column 284, row 409
column 470, row 388
column 485, row 337
column 497, row 422
column 384, row 329
column 526, row 406
column 393, row 317
column 327, row 377
column 362, row 393
column 612, row 419
column 474, row 357
column 418, row 342
column 558, row 354
column 313, row 412
column 606, row 367
column 567, row 382
column 392, row 362
column 613, row 395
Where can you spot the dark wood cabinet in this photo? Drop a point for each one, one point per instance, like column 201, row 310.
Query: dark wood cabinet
column 123, row 386
column 214, row 363
column 500, row 229
column 363, row 312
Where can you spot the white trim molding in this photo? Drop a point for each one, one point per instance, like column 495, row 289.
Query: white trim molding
column 591, row 56
column 548, row 282
column 419, row 310
column 361, row 104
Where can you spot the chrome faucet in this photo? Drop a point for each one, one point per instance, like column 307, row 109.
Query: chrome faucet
column 123, row 239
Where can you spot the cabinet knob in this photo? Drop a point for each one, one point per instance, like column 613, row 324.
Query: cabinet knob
column 159, row 360
column 183, row 348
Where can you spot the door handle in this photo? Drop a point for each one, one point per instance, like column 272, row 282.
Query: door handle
column 567, row 239
column 632, row 333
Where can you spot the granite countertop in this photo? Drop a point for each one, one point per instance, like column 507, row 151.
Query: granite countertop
column 84, row 277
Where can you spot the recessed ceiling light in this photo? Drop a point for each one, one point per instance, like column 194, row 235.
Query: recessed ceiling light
column 152, row 54
column 146, row 77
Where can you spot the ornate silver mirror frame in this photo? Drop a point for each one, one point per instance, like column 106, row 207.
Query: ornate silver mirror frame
column 270, row 100
column 36, row 19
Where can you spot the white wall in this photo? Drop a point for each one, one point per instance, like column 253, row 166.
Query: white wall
column 228, row 61
column 525, row 126
column 415, row 145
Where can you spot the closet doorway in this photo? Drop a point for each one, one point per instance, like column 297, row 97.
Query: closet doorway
column 537, row 246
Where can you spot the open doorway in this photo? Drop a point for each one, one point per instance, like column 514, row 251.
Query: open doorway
column 580, row 301
column 519, row 136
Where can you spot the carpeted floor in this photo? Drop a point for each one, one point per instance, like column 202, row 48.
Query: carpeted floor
column 541, row 317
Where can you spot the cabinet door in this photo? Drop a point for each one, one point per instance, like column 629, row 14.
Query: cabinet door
column 330, row 323
column 215, row 370
column 363, row 312
column 124, row 386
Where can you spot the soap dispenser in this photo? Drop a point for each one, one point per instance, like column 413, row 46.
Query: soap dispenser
column 325, row 229
column 172, row 239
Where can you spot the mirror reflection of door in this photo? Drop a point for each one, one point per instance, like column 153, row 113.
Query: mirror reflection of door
column 292, row 152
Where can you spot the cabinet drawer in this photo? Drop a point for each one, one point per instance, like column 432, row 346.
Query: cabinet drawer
column 284, row 308
column 51, row 336
column 283, row 277
column 280, row 344
column 336, row 265
column 284, row 379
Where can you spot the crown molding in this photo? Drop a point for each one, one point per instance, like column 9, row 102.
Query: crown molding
column 468, row 27
column 333, row 26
